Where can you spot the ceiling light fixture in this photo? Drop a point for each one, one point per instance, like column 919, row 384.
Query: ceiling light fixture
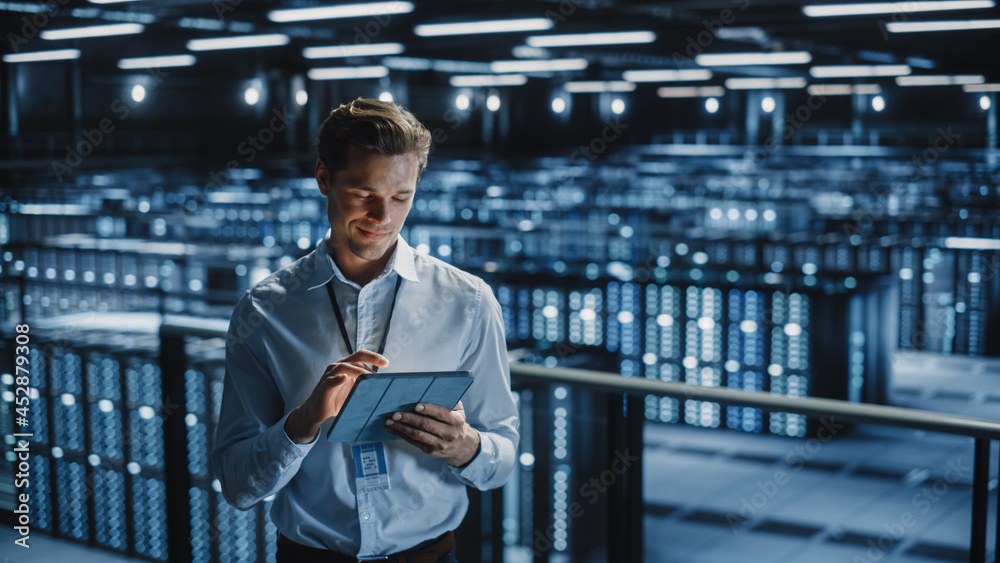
column 580, row 87
column 765, row 83
column 739, row 59
column 666, row 75
column 37, row 56
column 552, row 65
column 360, row 50
column 156, row 62
column 869, row 8
column 587, row 39
column 238, row 42
column 347, row 72
column 940, row 80
column 859, row 71
column 690, row 91
column 484, row 80
column 957, row 25
column 92, row 31
column 341, row 11
column 490, row 26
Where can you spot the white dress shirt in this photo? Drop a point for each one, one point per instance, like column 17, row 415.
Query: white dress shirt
column 283, row 334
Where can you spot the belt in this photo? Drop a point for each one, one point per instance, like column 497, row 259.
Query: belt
column 428, row 552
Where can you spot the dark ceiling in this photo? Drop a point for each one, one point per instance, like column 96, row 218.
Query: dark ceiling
column 753, row 25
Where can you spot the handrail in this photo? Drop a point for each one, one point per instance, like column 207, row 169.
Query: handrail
column 810, row 406
column 864, row 413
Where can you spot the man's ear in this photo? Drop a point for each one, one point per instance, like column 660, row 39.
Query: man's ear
column 322, row 177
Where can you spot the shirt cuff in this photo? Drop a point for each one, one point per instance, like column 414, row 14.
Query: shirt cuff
column 287, row 448
column 481, row 466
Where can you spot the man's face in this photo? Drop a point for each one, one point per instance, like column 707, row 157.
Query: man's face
column 367, row 201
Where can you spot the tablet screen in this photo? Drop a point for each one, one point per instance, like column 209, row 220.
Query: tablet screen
column 376, row 396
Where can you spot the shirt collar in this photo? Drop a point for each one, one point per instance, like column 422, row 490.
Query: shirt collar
column 402, row 262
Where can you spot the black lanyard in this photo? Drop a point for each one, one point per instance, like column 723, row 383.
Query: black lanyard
column 343, row 327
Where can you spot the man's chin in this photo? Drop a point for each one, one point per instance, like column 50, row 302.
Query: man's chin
column 370, row 251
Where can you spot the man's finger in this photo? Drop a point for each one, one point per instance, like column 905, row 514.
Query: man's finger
column 437, row 429
column 435, row 411
column 420, row 435
column 334, row 370
column 427, row 449
column 368, row 357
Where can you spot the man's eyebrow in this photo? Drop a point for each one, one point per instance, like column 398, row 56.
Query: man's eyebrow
column 372, row 190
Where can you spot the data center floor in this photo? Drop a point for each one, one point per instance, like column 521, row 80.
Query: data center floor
column 872, row 494
column 842, row 500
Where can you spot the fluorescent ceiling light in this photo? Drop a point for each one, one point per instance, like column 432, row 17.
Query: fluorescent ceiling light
column 201, row 23
column 56, row 55
column 981, row 88
column 583, row 39
column 93, row 31
column 552, row 65
column 29, row 8
column 737, row 59
column 439, row 65
column 109, row 1
column 369, row 50
column 666, row 75
column 868, row 8
column 599, row 86
column 347, row 72
column 482, row 80
column 940, row 80
column 958, row 25
column 863, row 71
column 764, row 83
column 843, row 89
column 970, row 243
column 156, row 62
column 341, row 11
column 690, row 91
column 238, row 42
column 490, row 26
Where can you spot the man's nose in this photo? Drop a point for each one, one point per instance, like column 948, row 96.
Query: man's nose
column 378, row 212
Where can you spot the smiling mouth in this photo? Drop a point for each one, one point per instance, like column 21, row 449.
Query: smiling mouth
column 372, row 235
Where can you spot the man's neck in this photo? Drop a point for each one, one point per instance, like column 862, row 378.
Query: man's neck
column 355, row 269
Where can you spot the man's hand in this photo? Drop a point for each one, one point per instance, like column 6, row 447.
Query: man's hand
column 438, row 432
column 329, row 395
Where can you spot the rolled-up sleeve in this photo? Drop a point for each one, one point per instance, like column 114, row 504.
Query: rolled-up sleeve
column 489, row 404
column 253, row 457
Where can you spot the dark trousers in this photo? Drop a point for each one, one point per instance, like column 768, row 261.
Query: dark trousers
column 291, row 552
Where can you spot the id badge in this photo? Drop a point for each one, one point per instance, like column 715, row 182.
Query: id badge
column 370, row 471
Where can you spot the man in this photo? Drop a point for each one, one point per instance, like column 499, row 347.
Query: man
column 298, row 340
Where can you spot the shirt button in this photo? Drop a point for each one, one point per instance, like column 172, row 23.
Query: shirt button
column 365, row 515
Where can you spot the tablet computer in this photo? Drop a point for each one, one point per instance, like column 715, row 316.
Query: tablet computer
column 376, row 396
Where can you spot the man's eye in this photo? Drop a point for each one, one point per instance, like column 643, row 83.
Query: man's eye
column 362, row 197
column 400, row 199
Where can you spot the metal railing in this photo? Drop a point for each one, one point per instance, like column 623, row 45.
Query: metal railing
column 626, row 522
column 625, row 497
